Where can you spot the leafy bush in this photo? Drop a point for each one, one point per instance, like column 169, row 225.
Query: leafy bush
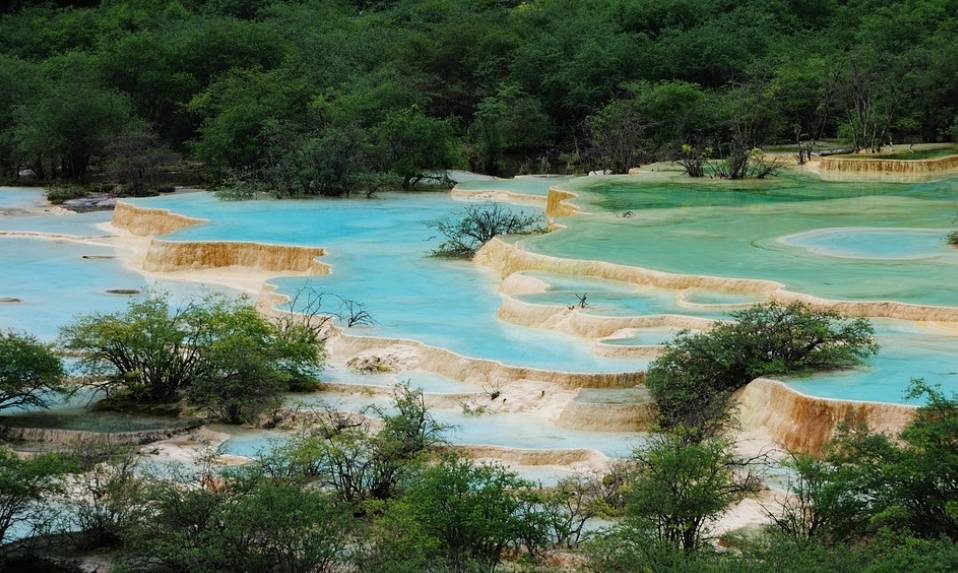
column 254, row 525
column 694, row 378
column 29, row 371
column 464, row 234
column 59, row 194
column 26, row 486
column 224, row 355
column 867, row 482
column 358, row 462
column 677, row 489
column 461, row 516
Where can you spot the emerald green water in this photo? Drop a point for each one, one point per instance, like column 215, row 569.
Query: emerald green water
column 741, row 230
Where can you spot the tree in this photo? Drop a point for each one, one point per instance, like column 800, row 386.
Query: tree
column 751, row 119
column 677, row 113
column 150, row 351
column 109, row 492
column 828, row 500
column 866, row 482
column 26, row 486
column 870, row 102
column 472, row 512
column 22, row 79
column 29, row 372
column 509, row 122
column 464, row 234
column 247, row 361
column 616, row 135
column 570, row 505
column 134, row 159
column 231, row 360
column 680, row 487
column 255, row 524
column 692, row 381
column 360, row 463
column 412, row 144
column 277, row 526
column 63, row 127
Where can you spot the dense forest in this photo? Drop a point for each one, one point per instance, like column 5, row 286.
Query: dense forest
column 327, row 97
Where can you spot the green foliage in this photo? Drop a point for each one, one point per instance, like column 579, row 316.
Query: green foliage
column 616, row 135
column 224, row 355
column 260, row 525
column 359, row 462
column 26, row 484
column 463, row 234
column 247, row 361
column 517, row 81
column 66, row 123
column 108, row 490
column 507, row 123
column 678, row 487
column 466, row 516
column 29, row 371
column 866, row 482
column 413, row 143
column 613, row 554
column 60, row 193
column 694, row 378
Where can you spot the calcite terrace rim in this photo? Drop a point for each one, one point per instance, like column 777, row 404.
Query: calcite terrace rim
column 270, row 299
column 774, row 290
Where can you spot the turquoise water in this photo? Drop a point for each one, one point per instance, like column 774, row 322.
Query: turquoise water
column 378, row 250
column 418, row 379
column 908, row 351
column 870, row 243
column 855, row 241
column 614, row 298
column 21, row 197
column 840, row 240
column 54, row 282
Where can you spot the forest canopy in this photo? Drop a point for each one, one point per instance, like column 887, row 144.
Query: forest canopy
column 323, row 97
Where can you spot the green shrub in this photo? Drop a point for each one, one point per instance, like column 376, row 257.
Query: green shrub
column 221, row 354
column 464, row 234
column 29, row 371
column 57, row 195
column 692, row 381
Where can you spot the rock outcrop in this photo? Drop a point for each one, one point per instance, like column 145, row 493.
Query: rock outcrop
column 146, row 222
column 165, row 256
column 805, row 423
column 894, row 168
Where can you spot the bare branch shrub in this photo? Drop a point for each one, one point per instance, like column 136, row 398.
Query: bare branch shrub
column 464, row 234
